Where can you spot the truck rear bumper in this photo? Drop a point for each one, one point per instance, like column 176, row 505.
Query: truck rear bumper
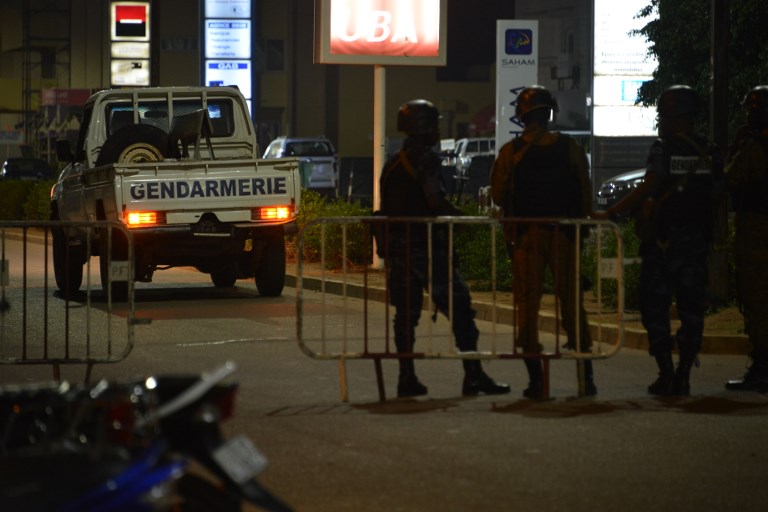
column 184, row 246
column 289, row 228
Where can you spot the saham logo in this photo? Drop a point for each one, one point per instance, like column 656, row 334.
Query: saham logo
column 518, row 41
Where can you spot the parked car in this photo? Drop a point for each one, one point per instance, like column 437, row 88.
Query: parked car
column 29, row 169
column 319, row 162
column 468, row 148
column 459, row 172
column 614, row 189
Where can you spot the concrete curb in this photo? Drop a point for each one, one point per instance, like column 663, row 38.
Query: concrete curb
column 633, row 337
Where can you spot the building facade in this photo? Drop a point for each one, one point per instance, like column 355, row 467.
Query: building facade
column 65, row 45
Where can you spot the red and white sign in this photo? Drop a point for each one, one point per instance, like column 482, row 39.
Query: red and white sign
column 130, row 21
column 130, row 51
column 72, row 97
column 381, row 32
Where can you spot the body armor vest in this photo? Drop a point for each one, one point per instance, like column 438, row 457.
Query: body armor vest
column 689, row 184
column 544, row 184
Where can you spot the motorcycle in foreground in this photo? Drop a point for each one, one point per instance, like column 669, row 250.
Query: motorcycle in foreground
column 153, row 445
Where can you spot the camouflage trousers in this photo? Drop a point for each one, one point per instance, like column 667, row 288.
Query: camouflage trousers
column 751, row 257
column 408, row 277
column 534, row 250
column 676, row 270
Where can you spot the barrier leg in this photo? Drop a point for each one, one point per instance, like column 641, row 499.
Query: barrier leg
column 580, row 376
column 545, row 378
column 343, row 379
column 380, row 379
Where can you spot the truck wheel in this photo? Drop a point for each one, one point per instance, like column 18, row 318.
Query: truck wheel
column 224, row 277
column 270, row 272
column 119, row 253
column 134, row 144
column 67, row 264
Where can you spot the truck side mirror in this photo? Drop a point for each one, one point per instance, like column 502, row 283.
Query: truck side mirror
column 64, row 151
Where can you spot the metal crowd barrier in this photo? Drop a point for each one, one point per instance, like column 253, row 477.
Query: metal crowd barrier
column 39, row 323
column 366, row 327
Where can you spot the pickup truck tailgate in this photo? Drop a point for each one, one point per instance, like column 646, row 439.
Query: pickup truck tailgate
column 228, row 188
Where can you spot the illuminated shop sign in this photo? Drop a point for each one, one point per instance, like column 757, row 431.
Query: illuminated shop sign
column 227, row 59
column 130, row 21
column 229, row 72
column 130, row 72
column 130, row 50
column 228, row 9
column 517, row 64
column 228, row 39
column 381, row 32
column 622, row 64
column 130, row 44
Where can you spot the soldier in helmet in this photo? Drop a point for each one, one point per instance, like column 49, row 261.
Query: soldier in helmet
column 543, row 174
column 676, row 206
column 411, row 187
column 747, row 181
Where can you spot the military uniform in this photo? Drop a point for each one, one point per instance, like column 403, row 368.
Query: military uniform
column 550, row 180
column 676, row 202
column 674, row 252
column 543, row 174
column 410, row 187
column 747, row 181
column 403, row 195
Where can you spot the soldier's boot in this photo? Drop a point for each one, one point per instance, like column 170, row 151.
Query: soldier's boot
column 683, row 374
column 535, row 389
column 408, row 383
column 476, row 381
column 664, row 385
column 756, row 378
column 589, row 379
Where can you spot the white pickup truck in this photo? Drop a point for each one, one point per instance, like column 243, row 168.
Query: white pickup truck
column 180, row 168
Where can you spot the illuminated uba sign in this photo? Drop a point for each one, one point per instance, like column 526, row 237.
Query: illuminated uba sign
column 381, row 32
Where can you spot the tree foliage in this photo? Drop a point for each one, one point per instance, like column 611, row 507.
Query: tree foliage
column 680, row 38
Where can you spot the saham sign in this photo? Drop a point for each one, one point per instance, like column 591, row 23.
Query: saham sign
column 405, row 32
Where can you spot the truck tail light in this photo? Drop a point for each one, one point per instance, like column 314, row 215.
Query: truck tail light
column 144, row 219
column 272, row 213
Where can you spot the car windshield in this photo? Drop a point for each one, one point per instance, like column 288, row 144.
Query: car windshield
column 155, row 113
column 308, row 148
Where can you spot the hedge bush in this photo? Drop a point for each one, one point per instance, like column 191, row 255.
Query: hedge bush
column 473, row 249
column 609, row 247
column 37, row 205
column 13, row 194
column 314, row 206
column 25, row 200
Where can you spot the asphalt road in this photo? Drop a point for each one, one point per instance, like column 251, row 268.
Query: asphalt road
column 622, row 450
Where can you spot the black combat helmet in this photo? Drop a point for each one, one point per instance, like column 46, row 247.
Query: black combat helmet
column 678, row 101
column 535, row 97
column 756, row 105
column 756, row 99
column 418, row 117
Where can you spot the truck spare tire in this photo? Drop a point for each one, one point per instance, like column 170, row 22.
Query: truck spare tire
column 134, row 144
